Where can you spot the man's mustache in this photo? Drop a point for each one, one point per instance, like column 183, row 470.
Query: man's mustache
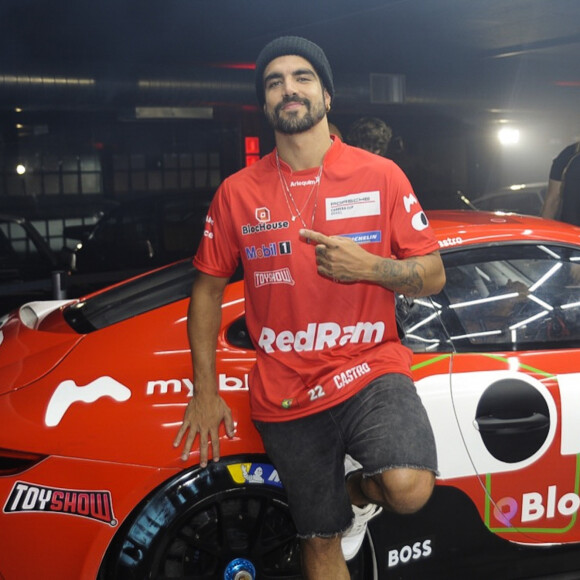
column 287, row 100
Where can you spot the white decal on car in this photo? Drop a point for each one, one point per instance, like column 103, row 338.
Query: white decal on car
column 68, row 392
column 29, row 497
column 408, row 553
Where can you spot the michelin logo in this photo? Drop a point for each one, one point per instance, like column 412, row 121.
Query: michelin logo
column 365, row 237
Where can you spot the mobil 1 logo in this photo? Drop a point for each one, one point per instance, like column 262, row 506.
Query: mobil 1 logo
column 270, row 250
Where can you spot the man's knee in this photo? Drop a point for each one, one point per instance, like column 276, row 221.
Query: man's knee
column 405, row 490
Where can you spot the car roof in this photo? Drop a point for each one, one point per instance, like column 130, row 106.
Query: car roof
column 455, row 228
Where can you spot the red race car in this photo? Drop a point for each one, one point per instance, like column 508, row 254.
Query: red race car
column 93, row 392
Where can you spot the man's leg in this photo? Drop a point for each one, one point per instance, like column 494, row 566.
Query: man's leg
column 388, row 434
column 322, row 558
column 400, row 490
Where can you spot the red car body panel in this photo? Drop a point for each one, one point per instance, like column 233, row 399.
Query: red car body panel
column 144, row 366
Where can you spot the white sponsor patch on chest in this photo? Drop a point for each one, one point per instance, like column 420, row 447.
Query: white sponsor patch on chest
column 365, row 203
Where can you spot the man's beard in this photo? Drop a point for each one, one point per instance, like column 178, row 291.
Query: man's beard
column 292, row 124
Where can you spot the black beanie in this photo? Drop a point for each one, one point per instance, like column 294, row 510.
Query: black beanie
column 286, row 45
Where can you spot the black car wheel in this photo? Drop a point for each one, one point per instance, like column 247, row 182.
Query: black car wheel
column 203, row 525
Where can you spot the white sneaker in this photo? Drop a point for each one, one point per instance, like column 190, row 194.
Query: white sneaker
column 353, row 538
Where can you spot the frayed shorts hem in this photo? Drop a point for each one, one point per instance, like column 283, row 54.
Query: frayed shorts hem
column 402, row 466
column 324, row 536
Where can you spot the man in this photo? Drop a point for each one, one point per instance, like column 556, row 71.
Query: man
column 563, row 196
column 327, row 235
column 370, row 133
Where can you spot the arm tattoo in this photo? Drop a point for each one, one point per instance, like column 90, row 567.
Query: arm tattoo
column 404, row 277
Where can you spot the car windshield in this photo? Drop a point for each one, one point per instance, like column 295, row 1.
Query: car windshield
column 132, row 298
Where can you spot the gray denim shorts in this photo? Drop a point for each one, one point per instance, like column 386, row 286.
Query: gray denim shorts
column 383, row 426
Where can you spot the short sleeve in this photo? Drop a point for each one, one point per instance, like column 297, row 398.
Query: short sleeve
column 218, row 252
column 411, row 234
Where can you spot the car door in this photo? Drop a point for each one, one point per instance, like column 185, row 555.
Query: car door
column 512, row 314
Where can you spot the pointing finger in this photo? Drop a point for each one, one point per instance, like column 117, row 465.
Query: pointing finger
column 316, row 237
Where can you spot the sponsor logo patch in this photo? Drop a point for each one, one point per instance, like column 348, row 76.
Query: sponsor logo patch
column 419, row 221
column 29, row 497
column 263, row 214
column 249, row 229
column 268, row 250
column 255, row 473
column 319, row 336
column 281, row 276
column 354, row 205
column 365, row 237
column 409, row 201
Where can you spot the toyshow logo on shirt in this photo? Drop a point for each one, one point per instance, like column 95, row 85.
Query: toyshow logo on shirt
column 363, row 204
column 29, row 497
column 281, row 276
column 419, row 220
column 365, row 237
column 268, row 250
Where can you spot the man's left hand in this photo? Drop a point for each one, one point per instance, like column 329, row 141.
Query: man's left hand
column 338, row 258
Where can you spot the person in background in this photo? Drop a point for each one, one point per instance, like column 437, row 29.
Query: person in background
column 334, row 130
column 563, row 196
column 370, row 133
column 327, row 235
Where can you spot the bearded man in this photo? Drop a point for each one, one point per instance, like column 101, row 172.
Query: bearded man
column 332, row 382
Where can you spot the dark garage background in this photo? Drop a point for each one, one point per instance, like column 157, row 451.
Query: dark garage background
column 109, row 100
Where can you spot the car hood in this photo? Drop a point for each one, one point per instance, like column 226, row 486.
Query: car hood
column 30, row 348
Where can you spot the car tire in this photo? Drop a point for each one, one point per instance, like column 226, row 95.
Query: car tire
column 203, row 524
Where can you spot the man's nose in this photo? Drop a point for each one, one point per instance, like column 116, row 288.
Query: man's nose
column 290, row 86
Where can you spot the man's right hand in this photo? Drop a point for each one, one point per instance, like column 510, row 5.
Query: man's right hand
column 203, row 416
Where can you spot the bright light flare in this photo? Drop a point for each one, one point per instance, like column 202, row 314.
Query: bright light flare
column 508, row 136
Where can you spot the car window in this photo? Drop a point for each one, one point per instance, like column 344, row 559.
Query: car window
column 420, row 325
column 137, row 296
column 507, row 297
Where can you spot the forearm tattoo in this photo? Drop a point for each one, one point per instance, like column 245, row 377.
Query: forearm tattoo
column 404, row 277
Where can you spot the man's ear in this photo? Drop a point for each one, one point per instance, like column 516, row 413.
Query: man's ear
column 327, row 100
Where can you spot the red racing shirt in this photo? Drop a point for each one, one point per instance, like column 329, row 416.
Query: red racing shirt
column 317, row 341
